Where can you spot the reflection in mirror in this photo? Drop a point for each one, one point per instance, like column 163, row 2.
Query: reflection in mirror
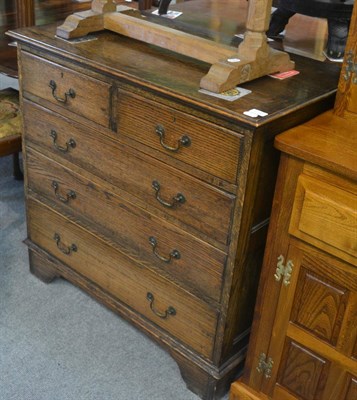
column 336, row 13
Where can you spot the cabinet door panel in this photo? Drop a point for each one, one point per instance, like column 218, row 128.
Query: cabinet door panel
column 312, row 332
column 302, row 372
column 319, row 306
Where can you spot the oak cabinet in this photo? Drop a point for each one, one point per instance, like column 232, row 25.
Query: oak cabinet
column 304, row 337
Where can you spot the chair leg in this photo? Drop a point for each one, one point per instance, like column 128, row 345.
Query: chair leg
column 18, row 175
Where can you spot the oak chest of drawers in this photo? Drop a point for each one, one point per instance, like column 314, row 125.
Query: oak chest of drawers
column 151, row 196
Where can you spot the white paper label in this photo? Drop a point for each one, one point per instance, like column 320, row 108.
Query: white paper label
column 254, row 113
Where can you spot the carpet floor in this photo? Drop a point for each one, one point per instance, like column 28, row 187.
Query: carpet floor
column 56, row 342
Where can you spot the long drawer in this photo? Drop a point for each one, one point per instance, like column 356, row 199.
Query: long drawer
column 198, row 205
column 148, row 240
column 199, row 143
column 66, row 88
column 157, row 299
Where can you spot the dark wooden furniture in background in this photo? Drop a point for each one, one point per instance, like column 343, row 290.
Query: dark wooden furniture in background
column 10, row 18
column 151, row 196
column 10, row 128
column 8, row 61
column 304, row 339
column 22, row 13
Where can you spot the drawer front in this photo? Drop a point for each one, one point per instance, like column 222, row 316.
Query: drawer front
column 161, row 302
column 148, row 240
column 186, row 138
column 196, row 204
column 325, row 216
column 78, row 93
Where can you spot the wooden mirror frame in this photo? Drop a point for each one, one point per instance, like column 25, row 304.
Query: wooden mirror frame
column 230, row 66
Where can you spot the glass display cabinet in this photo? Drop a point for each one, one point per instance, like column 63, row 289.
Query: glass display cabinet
column 19, row 13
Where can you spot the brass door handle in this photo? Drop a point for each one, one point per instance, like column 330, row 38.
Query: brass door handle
column 64, row 249
column 71, row 93
column 70, row 144
column 65, row 199
column 178, row 199
column 175, row 254
column 184, row 141
column 170, row 310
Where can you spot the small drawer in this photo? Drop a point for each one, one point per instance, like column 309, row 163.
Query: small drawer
column 198, row 205
column 147, row 239
column 325, row 216
column 78, row 93
column 160, row 301
column 201, row 144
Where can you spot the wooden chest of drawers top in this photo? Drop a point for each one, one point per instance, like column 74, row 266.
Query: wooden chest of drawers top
column 178, row 78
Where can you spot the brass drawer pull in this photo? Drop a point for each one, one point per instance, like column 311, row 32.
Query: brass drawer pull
column 65, row 199
column 174, row 254
column 65, row 250
column 185, row 141
column 170, row 310
column 70, row 144
column 179, row 198
column 71, row 93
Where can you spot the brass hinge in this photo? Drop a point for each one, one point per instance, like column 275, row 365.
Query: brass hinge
column 265, row 365
column 351, row 68
column 283, row 270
